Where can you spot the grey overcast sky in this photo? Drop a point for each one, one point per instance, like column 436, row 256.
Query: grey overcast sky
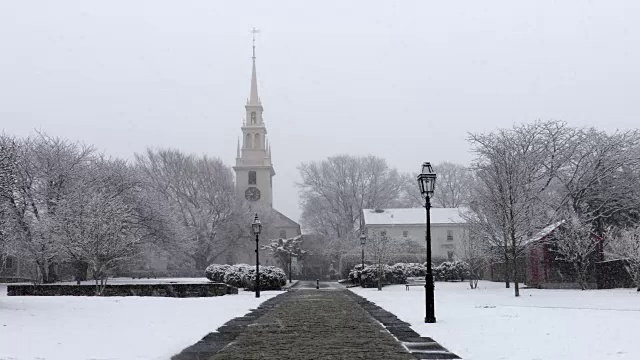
column 404, row 80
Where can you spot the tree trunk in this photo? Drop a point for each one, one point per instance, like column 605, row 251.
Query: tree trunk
column 80, row 270
column 379, row 276
column 201, row 262
column 581, row 272
column 53, row 276
column 506, row 268
column 516, row 286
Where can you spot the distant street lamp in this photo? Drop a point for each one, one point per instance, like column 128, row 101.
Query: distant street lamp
column 363, row 241
column 256, row 228
column 427, row 184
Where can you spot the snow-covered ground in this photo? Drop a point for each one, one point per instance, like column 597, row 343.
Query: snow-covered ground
column 74, row 327
column 489, row 323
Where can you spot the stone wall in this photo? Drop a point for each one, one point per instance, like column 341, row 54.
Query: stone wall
column 160, row 290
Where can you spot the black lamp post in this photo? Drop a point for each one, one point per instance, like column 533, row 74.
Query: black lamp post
column 256, row 228
column 427, row 183
column 363, row 241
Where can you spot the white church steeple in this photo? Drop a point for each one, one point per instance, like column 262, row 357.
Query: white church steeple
column 254, row 170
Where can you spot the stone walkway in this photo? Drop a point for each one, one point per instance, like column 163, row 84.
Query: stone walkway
column 306, row 323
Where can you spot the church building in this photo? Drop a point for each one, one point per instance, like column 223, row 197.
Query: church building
column 254, row 169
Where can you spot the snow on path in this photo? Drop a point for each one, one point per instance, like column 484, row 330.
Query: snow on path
column 132, row 328
column 489, row 323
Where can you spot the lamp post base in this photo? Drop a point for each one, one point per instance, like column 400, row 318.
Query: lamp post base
column 429, row 299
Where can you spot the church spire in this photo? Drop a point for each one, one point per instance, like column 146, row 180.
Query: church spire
column 253, row 96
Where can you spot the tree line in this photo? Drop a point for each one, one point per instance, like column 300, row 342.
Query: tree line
column 63, row 202
column 531, row 176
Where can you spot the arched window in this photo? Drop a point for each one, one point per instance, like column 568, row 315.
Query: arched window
column 283, row 234
column 248, row 142
column 253, row 117
column 252, row 177
column 256, row 142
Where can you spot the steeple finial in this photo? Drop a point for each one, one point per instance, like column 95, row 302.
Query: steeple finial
column 253, row 96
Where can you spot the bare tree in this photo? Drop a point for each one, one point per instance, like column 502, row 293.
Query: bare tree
column 409, row 196
column 596, row 175
column 473, row 253
column 8, row 172
column 379, row 246
column 199, row 194
column 334, row 191
column 98, row 222
column 626, row 246
column 576, row 244
column 454, row 185
column 510, row 175
column 47, row 169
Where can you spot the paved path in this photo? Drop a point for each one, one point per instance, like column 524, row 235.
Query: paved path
column 312, row 324
column 307, row 323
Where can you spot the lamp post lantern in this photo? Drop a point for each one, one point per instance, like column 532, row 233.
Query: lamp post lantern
column 256, row 228
column 427, row 184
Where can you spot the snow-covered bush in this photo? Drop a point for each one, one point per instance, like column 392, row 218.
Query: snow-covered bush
column 390, row 275
column 216, row 272
column 412, row 269
column 271, row 278
column 397, row 275
column 450, row 271
column 244, row 276
column 369, row 276
column 236, row 275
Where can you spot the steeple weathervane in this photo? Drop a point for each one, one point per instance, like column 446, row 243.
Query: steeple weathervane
column 253, row 95
column 254, row 31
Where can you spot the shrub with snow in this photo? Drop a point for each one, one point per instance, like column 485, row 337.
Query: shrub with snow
column 271, row 278
column 398, row 273
column 412, row 269
column 450, row 271
column 216, row 272
column 243, row 276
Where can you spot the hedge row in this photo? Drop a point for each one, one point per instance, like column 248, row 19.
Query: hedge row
column 244, row 276
column 398, row 273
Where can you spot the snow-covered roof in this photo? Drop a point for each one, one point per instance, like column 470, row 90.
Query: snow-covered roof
column 412, row 216
column 544, row 232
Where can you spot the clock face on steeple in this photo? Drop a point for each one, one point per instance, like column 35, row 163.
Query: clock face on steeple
column 252, row 194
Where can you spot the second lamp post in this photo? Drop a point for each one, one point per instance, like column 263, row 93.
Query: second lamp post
column 363, row 241
column 427, row 183
column 256, row 228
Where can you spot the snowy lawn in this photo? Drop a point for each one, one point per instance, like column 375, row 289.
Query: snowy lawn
column 74, row 327
column 489, row 323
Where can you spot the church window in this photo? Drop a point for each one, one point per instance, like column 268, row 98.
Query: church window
column 283, row 234
column 248, row 141
column 252, row 177
column 256, row 142
column 253, row 117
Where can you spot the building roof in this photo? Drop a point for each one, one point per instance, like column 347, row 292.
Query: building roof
column 283, row 220
column 413, row 216
column 540, row 235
